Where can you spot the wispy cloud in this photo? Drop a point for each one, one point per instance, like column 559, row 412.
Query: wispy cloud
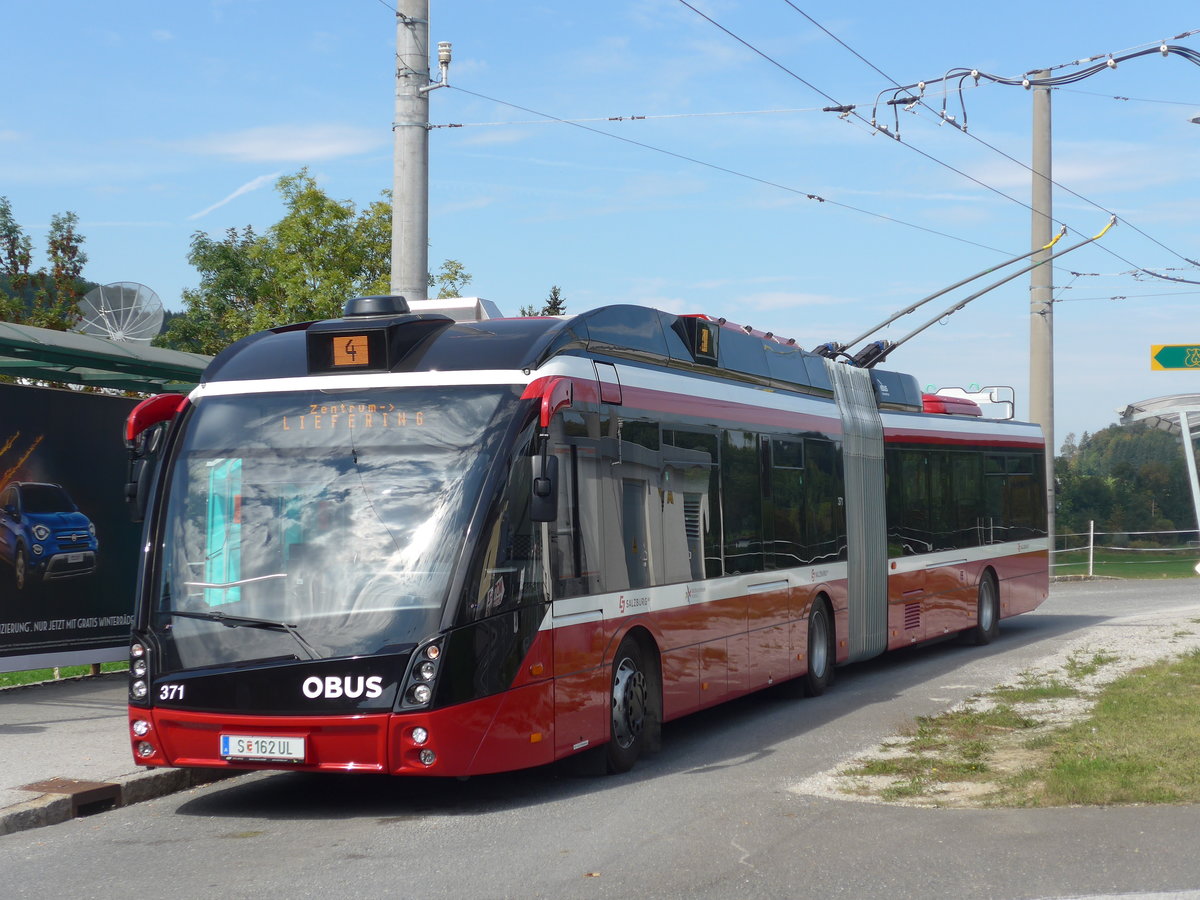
column 246, row 188
column 288, row 143
column 775, row 300
column 491, row 137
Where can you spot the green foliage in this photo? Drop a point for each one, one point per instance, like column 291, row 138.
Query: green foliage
column 36, row 676
column 450, row 279
column 307, row 265
column 45, row 297
column 1124, row 478
column 1139, row 744
column 555, row 305
column 1160, row 562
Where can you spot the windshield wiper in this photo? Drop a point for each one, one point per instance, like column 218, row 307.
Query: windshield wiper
column 233, row 621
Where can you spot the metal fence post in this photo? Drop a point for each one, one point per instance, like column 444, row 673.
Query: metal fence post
column 1091, row 547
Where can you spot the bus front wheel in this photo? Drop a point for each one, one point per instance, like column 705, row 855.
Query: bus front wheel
column 630, row 706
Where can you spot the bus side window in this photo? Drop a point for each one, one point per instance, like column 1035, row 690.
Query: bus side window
column 741, row 499
column 826, row 523
column 968, row 498
column 788, row 503
column 692, row 472
column 507, row 571
column 576, row 538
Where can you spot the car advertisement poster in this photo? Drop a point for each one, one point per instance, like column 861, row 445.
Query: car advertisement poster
column 68, row 549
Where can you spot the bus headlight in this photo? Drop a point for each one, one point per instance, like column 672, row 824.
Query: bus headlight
column 141, row 727
column 419, row 736
column 420, row 694
column 139, row 672
column 422, row 676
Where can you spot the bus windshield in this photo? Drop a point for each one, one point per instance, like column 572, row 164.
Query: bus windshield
column 319, row 524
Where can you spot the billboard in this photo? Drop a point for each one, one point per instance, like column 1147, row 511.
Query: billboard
column 68, row 550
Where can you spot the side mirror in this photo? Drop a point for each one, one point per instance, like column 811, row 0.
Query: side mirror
column 144, row 431
column 543, row 505
column 143, row 463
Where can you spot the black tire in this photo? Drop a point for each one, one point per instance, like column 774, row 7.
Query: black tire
column 630, row 692
column 987, row 613
column 822, row 650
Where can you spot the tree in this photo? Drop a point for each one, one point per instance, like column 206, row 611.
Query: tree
column 233, row 283
column 45, row 298
column 305, row 267
column 1069, row 447
column 555, row 305
column 450, row 280
column 1125, row 478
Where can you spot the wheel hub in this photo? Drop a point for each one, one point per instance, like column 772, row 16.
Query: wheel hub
column 629, row 703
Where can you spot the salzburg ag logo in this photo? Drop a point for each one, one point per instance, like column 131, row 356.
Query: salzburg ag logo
column 333, row 687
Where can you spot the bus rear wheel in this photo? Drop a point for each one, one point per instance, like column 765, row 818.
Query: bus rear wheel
column 987, row 614
column 630, row 706
column 821, row 650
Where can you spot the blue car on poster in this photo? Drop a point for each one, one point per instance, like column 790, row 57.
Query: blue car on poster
column 43, row 535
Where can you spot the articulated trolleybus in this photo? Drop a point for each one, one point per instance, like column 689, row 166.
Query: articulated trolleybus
column 393, row 542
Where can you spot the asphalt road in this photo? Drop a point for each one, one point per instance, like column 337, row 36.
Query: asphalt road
column 714, row 815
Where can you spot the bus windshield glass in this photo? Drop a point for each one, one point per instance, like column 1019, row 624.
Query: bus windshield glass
column 319, row 524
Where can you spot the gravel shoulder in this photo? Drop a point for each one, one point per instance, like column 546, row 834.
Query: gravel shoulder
column 1125, row 643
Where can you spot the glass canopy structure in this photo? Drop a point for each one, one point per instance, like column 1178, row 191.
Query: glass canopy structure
column 66, row 357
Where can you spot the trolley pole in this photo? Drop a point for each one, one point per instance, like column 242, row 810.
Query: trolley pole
column 410, row 160
column 1041, row 285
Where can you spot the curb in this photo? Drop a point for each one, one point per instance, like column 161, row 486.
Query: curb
column 55, row 807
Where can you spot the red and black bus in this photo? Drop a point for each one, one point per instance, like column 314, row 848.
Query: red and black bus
column 393, row 542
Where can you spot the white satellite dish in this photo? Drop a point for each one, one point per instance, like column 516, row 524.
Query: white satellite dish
column 123, row 311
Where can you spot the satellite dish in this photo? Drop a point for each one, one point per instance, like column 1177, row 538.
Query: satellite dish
column 123, row 311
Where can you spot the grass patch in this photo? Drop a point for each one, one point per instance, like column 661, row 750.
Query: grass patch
column 966, row 725
column 1139, row 744
column 914, row 787
column 1033, row 688
column 1165, row 563
column 34, row 676
column 1080, row 665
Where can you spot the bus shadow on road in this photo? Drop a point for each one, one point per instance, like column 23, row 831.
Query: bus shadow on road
column 745, row 732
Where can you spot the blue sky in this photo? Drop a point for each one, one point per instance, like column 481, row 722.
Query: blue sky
column 153, row 120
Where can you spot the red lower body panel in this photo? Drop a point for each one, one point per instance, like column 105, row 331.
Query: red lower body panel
column 512, row 730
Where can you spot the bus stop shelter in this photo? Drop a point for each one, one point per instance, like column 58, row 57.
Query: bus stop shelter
column 66, row 357
column 1179, row 415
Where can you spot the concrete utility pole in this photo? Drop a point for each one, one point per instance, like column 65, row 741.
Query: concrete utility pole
column 1041, row 285
column 410, row 160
